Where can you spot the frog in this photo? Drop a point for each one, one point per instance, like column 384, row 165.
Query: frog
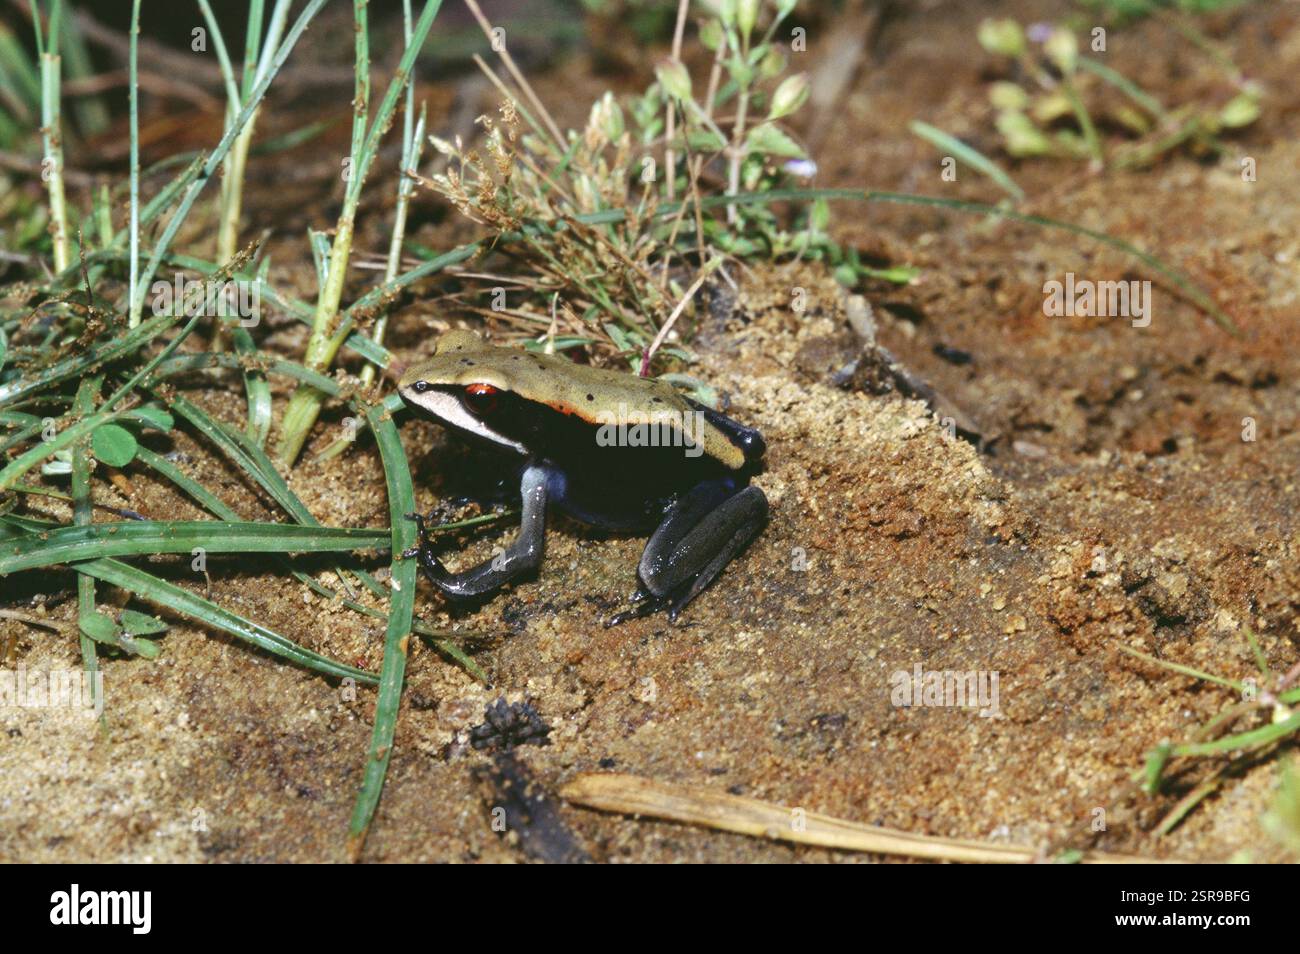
column 610, row 449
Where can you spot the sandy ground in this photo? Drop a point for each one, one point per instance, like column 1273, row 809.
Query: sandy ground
column 1118, row 505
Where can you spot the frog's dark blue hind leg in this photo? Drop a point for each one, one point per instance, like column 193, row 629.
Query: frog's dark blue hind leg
column 524, row 554
column 701, row 534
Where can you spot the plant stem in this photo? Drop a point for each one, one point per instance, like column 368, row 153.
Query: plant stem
column 230, row 202
column 327, row 332
column 52, row 136
column 518, row 76
column 670, row 123
column 412, row 145
column 82, row 508
column 304, row 405
column 134, row 295
column 1090, row 137
column 738, row 130
column 399, row 234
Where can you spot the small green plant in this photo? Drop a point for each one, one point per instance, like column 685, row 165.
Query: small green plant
column 617, row 284
column 1264, row 717
column 258, row 52
column 1052, row 105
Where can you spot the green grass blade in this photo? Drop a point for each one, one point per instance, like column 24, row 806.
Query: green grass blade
column 133, row 225
column 401, row 501
column 78, row 365
column 144, row 537
column 245, row 455
column 66, row 438
column 22, row 434
column 438, row 639
column 1177, row 278
column 1261, row 661
column 967, row 155
column 1243, row 740
column 198, row 360
column 215, row 158
column 167, row 595
column 257, row 389
column 223, row 57
column 82, row 510
column 253, row 461
column 1233, row 684
column 1124, row 85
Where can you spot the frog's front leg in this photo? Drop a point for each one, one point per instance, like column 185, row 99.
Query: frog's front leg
column 524, row 554
column 701, row 533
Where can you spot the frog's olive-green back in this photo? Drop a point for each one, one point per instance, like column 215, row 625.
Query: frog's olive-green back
column 595, row 395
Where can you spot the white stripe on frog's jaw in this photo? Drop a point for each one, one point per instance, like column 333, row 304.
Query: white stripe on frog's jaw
column 445, row 407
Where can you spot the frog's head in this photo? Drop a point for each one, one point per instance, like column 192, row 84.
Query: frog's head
column 462, row 385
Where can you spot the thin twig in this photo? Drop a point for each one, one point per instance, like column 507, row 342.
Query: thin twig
column 697, row 805
column 705, row 271
column 517, row 75
column 32, row 620
column 670, row 128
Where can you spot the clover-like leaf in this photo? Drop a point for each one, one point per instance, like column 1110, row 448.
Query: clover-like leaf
column 113, row 444
column 98, row 627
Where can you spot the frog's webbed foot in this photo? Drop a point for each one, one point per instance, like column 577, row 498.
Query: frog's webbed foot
column 702, row 532
column 525, row 553
column 424, row 550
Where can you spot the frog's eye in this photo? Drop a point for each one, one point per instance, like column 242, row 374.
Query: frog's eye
column 419, row 387
column 481, row 398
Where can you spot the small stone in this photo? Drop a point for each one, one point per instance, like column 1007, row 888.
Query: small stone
column 1027, row 449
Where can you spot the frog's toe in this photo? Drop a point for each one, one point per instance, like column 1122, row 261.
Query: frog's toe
column 644, row 603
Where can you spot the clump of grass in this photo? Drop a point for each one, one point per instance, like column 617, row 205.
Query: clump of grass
column 88, row 374
column 258, row 51
column 1256, row 726
column 581, row 278
column 328, row 330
